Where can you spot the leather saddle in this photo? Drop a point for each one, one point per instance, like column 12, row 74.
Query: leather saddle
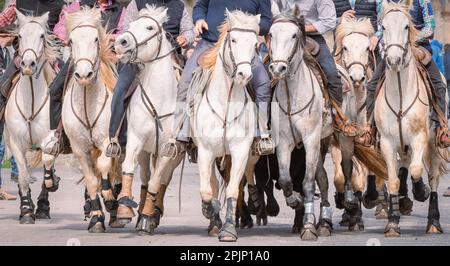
column 422, row 55
column 311, row 46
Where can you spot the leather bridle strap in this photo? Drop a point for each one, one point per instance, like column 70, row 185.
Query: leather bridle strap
column 95, row 65
column 227, row 44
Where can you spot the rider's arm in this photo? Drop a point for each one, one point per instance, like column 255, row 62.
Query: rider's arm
column 130, row 15
column 200, row 10
column 266, row 17
column 326, row 19
column 8, row 16
column 379, row 29
column 429, row 24
column 187, row 27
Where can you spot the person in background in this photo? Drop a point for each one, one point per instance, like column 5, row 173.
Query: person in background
column 437, row 53
column 447, row 77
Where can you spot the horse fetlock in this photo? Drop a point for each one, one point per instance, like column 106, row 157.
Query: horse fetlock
column 339, row 200
column 416, row 171
column 51, row 181
column 433, row 225
column 230, row 216
column 405, row 205
column 420, row 191
column 210, row 209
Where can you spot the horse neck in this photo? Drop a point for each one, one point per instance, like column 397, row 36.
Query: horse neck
column 360, row 96
column 408, row 82
column 300, row 87
column 158, row 78
column 90, row 96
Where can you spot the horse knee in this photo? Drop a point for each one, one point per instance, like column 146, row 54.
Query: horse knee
column 416, row 171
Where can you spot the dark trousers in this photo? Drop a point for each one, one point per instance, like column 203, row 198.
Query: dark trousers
column 5, row 88
column 127, row 73
column 328, row 65
column 56, row 90
column 436, row 80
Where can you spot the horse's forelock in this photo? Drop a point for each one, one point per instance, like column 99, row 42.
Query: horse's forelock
column 158, row 13
column 404, row 9
column 242, row 20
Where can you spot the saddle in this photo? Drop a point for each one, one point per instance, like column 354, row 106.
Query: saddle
column 422, row 54
column 311, row 46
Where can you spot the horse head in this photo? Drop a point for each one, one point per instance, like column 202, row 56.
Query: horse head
column 287, row 42
column 399, row 34
column 86, row 37
column 145, row 32
column 32, row 35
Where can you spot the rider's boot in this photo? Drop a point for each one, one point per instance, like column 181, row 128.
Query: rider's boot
column 263, row 143
column 176, row 146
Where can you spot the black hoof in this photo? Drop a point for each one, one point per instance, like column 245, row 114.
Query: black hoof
column 358, row 226
column 421, row 191
column 405, row 205
column 148, row 224
column 345, row 219
column 43, row 209
column 370, row 201
column 27, row 218
column 309, row 233
column 97, row 224
column 296, row 229
column 246, row 223
column 434, row 227
column 261, row 221
column 272, row 207
column 42, row 214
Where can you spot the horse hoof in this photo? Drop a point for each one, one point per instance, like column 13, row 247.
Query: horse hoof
column 116, row 223
column 147, row 225
column 324, row 230
column 124, row 212
column 296, row 229
column 369, row 203
column 272, row 207
column 421, row 193
column 214, row 231
column 434, row 227
column 381, row 213
column 405, row 206
column 42, row 215
column 52, row 184
column 97, row 228
column 123, row 221
column 228, row 234
column 246, row 224
column 356, row 227
column 309, row 234
column 392, row 230
column 345, row 219
column 27, row 219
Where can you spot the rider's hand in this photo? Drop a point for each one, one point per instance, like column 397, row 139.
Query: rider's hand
column 181, row 40
column 349, row 14
column 199, row 26
column 373, row 43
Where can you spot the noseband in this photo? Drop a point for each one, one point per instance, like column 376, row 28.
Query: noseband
column 404, row 48
column 299, row 42
column 358, row 63
column 157, row 34
column 95, row 65
column 235, row 65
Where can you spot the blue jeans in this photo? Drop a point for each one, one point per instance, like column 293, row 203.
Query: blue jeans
column 14, row 170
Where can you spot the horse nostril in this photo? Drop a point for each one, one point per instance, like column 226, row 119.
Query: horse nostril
column 271, row 67
column 283, row 69
column 123, row 42
column 398, row 60
column 363, row 78
column 240, row 74
column 22, row 63
column 33, row 64
column 351, row 77
column 77, row 75
column 90, row 74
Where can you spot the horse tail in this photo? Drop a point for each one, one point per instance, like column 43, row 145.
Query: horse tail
column 372, row 159
column 33, row 158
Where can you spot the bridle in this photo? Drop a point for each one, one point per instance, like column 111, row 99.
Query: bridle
column 404, row 48
column 299, row 42
column 36, row 55
column 232, row 72
column 95, row 65
column 157, row 34
column 354, row 63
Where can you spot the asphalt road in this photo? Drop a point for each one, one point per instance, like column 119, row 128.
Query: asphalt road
column 188, row 227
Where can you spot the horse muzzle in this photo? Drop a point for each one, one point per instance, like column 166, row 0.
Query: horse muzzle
column 84, row 79
column 278, row 70
column 394, row 63
column 28, row 68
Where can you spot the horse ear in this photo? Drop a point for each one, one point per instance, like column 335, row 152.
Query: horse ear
column 21, row 18
column 44, row 18
column 257, row 18
column 296, row 11
column 384, row 3
column 407, row 3
column 229, row 15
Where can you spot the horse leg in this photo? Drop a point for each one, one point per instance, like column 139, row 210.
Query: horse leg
column 421, row 192
column 210, row 203
column 97, row 219
column 144, row 164
column 325, row 224
column 238, row 166
column 125, row 199
column 43, row 204
column 293, row 198
column 392, row 228
column 382, row 210
column 51, row 181
column 245, row 218
column 339, row 181
column 433, row 224
column 358, row 184
column 26, row 203
column 272, row 208
column 311, row 143
column 405, row 203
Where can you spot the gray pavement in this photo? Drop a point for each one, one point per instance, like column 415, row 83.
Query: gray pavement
column 188, row 227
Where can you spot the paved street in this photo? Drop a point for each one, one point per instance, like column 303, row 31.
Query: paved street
column 188, row 227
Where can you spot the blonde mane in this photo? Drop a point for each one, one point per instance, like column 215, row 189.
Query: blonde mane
column 209, row 58
column 413, row 32
column 348, row 26
column 91, row 16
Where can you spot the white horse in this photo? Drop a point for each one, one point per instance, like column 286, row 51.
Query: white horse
column 352, row 58
column 86, row 108
column 27, row 113
column 150, row 115
column 225, row 116
column 402, row 115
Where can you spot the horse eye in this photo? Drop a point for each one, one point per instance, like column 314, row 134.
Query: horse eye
column 233, row 40
column 96, row 39
column 150, row 28
column 406, row 27
column 70, row 42
column 345, row 48
column 20, row 36
column 42, row 36
column 270, row 35
column 367, row 49
column 294, row 36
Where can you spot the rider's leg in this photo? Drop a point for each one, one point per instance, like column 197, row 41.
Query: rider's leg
column 7, row 77
column 127, row 74
column 440, row 92
column 261, row 85
column 334, row 83
column 372, row 87
column 181, row 119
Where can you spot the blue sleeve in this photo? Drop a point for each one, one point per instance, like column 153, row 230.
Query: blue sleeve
column 200, row 9
column 266, row 17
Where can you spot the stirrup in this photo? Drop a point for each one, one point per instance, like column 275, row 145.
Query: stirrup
column 113, row 150
column 441, row 132
column 53, row 147
column 347, row 129
column 171, row 149
column 264, row 145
